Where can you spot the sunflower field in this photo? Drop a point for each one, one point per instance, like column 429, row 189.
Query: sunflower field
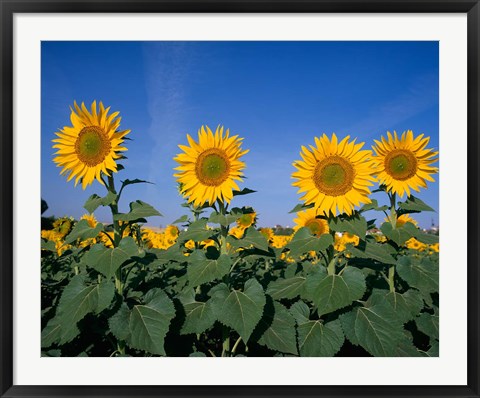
column 353, row 277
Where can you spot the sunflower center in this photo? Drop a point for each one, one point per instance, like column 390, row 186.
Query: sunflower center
column 245, row 220
column 334, row 176
column 401, row 164
column 212, row 167
column 92, row 145
column 316, row 227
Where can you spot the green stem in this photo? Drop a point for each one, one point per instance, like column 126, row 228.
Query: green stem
column 226, row 341
column 393, row 210
column 331, row 266
column 393, row 221
column 235, row 346
column 391, row 280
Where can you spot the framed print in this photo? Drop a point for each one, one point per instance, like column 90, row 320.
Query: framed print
column 239, row 198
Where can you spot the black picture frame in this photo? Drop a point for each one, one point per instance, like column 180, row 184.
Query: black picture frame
column 7, row 201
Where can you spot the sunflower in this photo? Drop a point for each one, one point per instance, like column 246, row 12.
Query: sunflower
column 92, row 221
column 307, row 218
column 402, row 220
column 267, row 233
column 91, row 145
column 334, row 175
column 238, row 232
column 414, row 244
column 171, row 232
column 246, row 220
column 210, row 167
column 404, row 163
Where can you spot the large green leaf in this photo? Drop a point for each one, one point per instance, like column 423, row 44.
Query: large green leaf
column 399, row 235
column 356, row 225
column 373, row 251
column 239, row 310
column 138, row 212
column 252, row 237
column 428, row 324
column 347, row 321
column 224, row 219
column 334, row 292
column 413, row 205
column 94, row 201
column 405, row 305
column 107, row 260
column 287, row 288
column 317, row 339
column 79, row 299
column 197, row 231
column 419, row 273
column 280, row 329
column 199, row 316
column 378, row 330
column 303, row 241
column 149, row 323
column 119, row 323
column 83, row 231
column 203, row 270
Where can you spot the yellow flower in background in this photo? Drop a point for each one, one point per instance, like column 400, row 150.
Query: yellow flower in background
column 190, row 244
column 404, row 163
column 267, row 232
column 57, row 237
column 435, row 247
column 402, row 220
column 343, row 239
column 307, row 218
column 246, row 220
column 171, row 232
column 334, row 175
column 62, row 226
column 279, row 241
column 91, row 145
column 210, row 167
column 238, row 232
column 92, row 221
column 414, row 244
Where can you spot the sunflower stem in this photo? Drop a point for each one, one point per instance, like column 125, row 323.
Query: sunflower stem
column 393, row 221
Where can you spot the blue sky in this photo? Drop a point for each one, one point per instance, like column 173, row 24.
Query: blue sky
column 277, row 95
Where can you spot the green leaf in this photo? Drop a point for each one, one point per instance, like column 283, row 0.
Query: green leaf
column 406, row 306
column 182, row 219
column 138, row 211
column 83, row 231
column 119, row 323
column 303, row 241
column 398, row 235
column 373, row 205
column 378, row 330
column 334, row 292
column 199, row 317
column 244, row 191
column 300, row 311
column 106, row 260
column 197, row 231
column 316, row 339
column 49, row 245
column 252, row 237
column 405, row 348
column 286, row 288
column 300, row 207
column 94, row 201
column 280, row 329
column 347, row 321
column 421, row 236
column 373, row 251
column 202, row 270
column 413, row 205
column 433, row 351
column 52, row 332
column 135, row 181
column 428, row 324
column 223, row 219
column 149, row 323
column 356, row 225
column 239, row 310
column 79, row 299
column 419, row 273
